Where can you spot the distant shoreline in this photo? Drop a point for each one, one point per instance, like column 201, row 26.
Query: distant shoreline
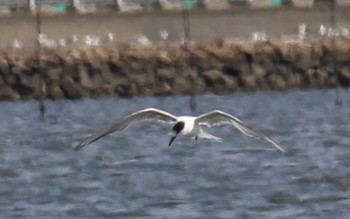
column 206, row 25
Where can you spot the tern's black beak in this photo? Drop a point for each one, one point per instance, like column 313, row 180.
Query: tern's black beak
column 171, row 140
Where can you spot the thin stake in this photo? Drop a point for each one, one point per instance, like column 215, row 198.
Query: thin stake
column 333, row 19
column 187, row 38
column 39, row 50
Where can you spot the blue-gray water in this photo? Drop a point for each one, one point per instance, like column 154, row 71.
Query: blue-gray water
column 134, row 174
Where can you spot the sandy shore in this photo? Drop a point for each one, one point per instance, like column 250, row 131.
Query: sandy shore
column 205, row 25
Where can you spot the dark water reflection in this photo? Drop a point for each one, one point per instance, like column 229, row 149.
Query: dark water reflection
column 135, row 174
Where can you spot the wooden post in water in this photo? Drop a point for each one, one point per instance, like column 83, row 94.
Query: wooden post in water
column 39, row 51
column 187, row 38
column 333, row 19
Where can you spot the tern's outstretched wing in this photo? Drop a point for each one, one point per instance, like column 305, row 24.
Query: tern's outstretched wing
column 217, row 117
column 149, row 113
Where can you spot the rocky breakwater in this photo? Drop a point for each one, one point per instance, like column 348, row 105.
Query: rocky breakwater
column 220, row 67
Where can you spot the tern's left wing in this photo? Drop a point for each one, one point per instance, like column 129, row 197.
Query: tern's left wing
column 149, row 113
column 217, row 117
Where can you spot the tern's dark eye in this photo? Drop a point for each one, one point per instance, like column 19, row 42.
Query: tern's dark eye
column 178, row 126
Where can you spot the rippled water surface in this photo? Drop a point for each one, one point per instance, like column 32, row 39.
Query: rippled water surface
column 134, row 174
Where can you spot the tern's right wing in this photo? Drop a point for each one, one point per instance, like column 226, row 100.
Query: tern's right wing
column 217, row 117
column 149, row 113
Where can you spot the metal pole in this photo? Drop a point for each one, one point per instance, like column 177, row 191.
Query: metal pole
column 187, row 38
column 333, row 19
column 39, row 50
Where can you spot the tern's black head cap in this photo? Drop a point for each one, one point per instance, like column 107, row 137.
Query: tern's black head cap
column 178, row 127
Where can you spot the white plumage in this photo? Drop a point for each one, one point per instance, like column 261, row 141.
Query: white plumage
column 187, row 126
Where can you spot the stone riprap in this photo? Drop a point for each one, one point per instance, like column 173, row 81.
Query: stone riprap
column 220, row 67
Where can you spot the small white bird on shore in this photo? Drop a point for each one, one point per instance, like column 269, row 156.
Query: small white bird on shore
column 185, row 126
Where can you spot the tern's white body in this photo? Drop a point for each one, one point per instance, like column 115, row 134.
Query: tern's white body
column 193, row 129
column 190, row 129
column 185, row 126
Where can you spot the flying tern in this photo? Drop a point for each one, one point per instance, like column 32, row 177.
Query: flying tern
column 185, row 126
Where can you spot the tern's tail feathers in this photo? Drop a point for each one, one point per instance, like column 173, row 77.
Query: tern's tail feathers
column 206, row 135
